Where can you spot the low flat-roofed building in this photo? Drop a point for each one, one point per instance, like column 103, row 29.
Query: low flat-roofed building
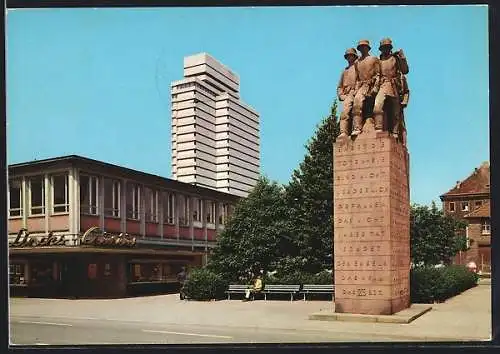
column 79, row 227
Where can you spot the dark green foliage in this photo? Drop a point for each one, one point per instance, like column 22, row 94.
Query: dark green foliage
column 298, row 277
column 203, row 284
column 459, row 279
column 430, row 284
column 295, row 278
column 323, row 278
column 285, row 229
column 424, row 284
column 435, row 238
column 256, row 236
column 310, row 199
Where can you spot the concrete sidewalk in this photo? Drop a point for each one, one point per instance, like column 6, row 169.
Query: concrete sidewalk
column 464, row 317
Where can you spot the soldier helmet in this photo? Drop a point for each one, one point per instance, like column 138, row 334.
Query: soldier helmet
column 364, row 42
column 385, row 42
column 350, row 51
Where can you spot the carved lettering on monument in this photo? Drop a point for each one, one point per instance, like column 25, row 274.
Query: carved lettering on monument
column 363, row 263
column 366, row 162
column 364, row 292
column 358, row 148
column 352, row 234
column 364, row 175
column 364, row 191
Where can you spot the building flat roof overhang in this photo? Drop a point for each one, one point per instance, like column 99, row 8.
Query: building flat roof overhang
column 92, row 165
column 100, row 250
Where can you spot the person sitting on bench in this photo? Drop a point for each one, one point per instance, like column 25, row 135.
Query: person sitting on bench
column 255, row 288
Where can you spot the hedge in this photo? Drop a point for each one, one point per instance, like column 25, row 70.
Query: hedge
column 202, row 284
column 430, row 284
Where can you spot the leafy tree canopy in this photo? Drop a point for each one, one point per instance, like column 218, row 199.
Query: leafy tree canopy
column 256, row 235
column 434, row 237
column 310, row 198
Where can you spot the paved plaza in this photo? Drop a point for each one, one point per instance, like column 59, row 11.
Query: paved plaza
column 165, row 319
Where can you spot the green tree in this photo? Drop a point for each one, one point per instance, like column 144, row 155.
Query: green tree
column 255, row 236
column 310, row 199
column 434, row 237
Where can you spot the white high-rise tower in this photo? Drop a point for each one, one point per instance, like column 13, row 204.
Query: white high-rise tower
column 215, row 136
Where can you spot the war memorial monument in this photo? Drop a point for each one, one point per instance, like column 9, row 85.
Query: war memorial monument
column 371, row 184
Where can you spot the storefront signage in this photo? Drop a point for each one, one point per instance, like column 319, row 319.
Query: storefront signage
column 23, row 239
column 92, row 237
column 95, row 237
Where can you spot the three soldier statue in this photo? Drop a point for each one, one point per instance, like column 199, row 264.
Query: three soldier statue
column 376, row 88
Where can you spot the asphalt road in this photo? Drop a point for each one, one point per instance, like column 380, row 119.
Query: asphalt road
column 167, row 320
column 66, row 331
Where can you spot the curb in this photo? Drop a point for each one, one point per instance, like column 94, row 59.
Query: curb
column 404, row 317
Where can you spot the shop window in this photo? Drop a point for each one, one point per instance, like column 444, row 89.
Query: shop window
column 167, row 273
column 16, row 274
column 168, row 208
column 145, row 272
column 210, row 213
column 41, row 273
column 452, row 207
column 15, row 198
column 183, row 210
column 486, row 227
column 151, row 203
column 111, row 197
column 89, row 194
column 153, row 271
column 133, row 199
column 60, row 194
column 136, row 272
column 92, row 271
column 37, row 195
column 107, row 270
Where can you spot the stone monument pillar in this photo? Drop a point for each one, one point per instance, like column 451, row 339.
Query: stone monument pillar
column 371, row 224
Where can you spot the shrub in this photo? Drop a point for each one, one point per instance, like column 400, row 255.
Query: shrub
column 270, row 279
column 299, row 277
column 425, row 284
column 459, row 278
column 203, row 284
column 294, row 278
column 323, row 278
column 429, row 284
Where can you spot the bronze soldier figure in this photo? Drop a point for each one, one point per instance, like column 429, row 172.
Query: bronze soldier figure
column 405, row 97
column 367, row 67
column 392, row 67
column 346, row 89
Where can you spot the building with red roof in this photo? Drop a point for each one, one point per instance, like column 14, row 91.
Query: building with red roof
column 469, row 200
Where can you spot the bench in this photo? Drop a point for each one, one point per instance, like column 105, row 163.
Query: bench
column 281, row 289
column 236, row 289
column 318, row 289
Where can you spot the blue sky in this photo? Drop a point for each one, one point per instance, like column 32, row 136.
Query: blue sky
column 95, row 82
